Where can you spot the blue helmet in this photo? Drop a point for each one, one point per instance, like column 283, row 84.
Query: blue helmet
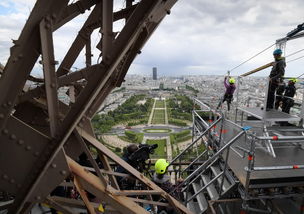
column 277, row 52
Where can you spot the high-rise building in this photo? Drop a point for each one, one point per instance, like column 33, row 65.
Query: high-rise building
column 154, row 73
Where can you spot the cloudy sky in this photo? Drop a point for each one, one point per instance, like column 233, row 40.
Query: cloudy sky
column 200, row 37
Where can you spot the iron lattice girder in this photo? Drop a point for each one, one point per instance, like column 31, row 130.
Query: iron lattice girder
column 47, row 167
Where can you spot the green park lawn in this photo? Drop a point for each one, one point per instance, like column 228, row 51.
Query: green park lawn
column 160, row 150
column 158, row 116
column 160, row 104
column 157, row 130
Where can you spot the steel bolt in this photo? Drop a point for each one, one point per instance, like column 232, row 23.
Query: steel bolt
column 28, row 148
column 4, row 105
column 12, row 181
column 63, row 172
column 1, row 116
column 5, row 131
column 53, row 16
column 9, row 103
column 48, row 19
column 36, row 154
column 38, row 197
column 20, row 142
column 54, row 165
column 53, row 85
column 5, row 177
column 13, row 137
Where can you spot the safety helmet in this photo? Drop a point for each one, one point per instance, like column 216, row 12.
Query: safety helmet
column 161, row 166
column 231, row 80
column 294, row 80
column 277, row 51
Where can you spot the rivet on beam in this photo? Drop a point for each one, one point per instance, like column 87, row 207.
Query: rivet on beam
column 20, row 142
column 54, row 165
column 47, row 19
column 5, row 131
column 12, row 181
column 28, row 148
column 5, row 177
column 13, row 137
column 63, row 172
column 53, row 16
column 1, row 116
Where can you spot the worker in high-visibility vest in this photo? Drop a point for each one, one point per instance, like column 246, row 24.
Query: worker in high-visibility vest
column 275, row 77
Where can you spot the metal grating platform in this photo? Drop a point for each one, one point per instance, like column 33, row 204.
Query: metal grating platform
column 287, row 153
column 269, row 116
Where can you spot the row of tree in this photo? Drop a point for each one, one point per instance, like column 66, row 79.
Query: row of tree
column 129, row 110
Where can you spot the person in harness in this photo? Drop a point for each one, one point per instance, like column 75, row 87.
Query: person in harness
column 275, row 77
column 228, row 96
column 163, row 181
column 290, row 91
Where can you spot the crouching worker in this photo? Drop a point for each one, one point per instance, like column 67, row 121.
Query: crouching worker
column 228, row 96
column 127, row 183
column 290, row 91
column 136, row 156
column 163, row 181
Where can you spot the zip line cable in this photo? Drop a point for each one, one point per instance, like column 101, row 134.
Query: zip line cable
column 295, row 59
column 252, row 57
column 295, row 53
column 264, row 51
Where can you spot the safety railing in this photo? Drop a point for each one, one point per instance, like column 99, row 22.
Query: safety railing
column 218, row 135
column 198, row 134
column 207, row 164
column 225, row 140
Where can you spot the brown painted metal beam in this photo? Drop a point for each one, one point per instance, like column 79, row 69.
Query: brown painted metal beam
column 107, row 30
column 23, row 56
column 48, row 62
column 72, row 11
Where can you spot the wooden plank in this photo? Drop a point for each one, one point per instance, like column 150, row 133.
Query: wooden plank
column 93, row 184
